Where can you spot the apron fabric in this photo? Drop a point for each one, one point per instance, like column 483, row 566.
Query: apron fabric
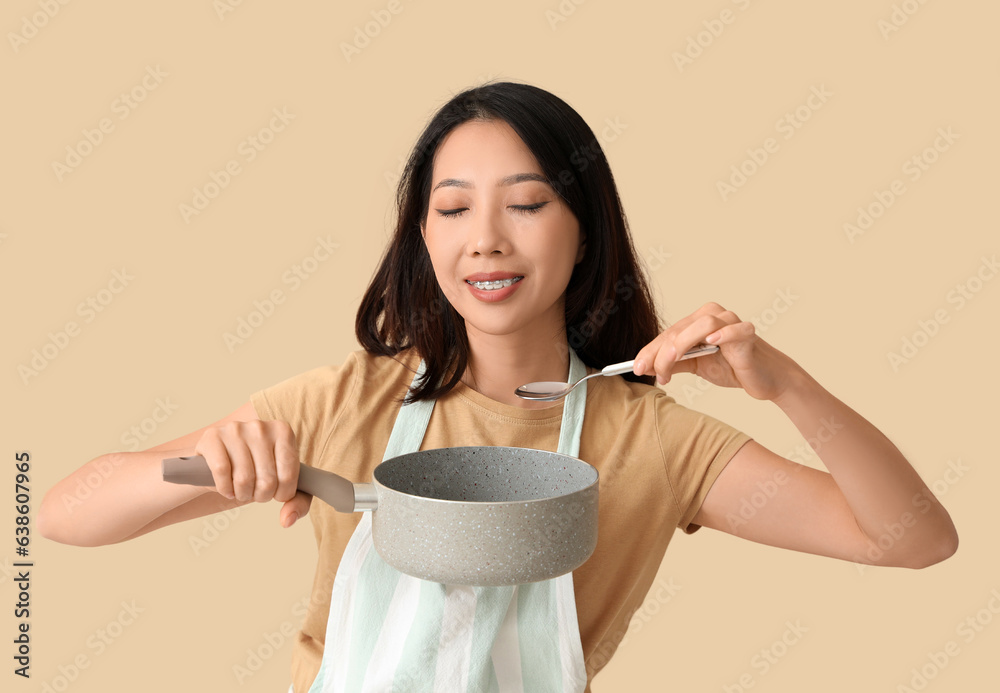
column 389, row 632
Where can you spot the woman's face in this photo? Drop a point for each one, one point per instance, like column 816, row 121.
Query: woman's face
column 502, row 241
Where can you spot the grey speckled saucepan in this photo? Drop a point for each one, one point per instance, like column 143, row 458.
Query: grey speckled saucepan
column 462, row 516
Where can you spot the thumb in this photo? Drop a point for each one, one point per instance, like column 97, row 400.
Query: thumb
column 294, row 509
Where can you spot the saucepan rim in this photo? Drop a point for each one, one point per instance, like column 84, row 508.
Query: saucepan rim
column 576, row 460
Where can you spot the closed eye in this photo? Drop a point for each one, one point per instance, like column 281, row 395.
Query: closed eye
column 529, row 209
column 524, row 209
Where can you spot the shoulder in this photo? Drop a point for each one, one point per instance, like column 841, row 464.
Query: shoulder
column 630, row 397
column 361, row 376
column 655, row 410
column 378, row 376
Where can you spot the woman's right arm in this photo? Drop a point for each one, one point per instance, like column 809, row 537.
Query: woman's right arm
column 122, row 495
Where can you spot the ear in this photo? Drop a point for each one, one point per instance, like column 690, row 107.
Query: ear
column 582, row 251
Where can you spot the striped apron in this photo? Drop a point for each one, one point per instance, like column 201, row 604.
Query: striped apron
column 389, row 632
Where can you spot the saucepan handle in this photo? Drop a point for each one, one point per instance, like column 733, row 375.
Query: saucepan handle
column 343, row 495
column 192, row 471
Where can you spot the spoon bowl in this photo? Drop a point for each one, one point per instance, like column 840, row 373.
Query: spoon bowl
column 551, row 390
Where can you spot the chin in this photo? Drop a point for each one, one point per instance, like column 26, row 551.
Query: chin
column 494, row 328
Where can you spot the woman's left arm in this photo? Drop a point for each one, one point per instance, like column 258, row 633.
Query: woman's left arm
column 872, row 507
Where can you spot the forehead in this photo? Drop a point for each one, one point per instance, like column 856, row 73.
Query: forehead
column 481, row 152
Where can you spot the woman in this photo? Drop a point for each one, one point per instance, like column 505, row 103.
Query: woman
column 512, row 263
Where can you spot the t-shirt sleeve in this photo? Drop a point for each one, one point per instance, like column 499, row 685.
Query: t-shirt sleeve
column 695, row 448
column 311, row 403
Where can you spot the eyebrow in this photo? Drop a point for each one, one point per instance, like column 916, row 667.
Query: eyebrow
column 507, row 180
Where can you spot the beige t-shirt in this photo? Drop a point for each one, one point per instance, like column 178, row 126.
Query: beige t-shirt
column 656, row 459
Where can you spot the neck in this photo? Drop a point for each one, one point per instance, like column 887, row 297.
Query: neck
column 498, row 364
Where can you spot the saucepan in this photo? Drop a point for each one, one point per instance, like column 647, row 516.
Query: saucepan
column 482, row 516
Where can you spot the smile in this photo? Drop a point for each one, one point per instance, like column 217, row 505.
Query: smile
column 494, row 285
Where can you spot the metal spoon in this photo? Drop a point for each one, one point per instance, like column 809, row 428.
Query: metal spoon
column 548, row 390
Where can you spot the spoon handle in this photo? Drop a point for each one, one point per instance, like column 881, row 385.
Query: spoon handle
column 618, row 368
column 626, row 366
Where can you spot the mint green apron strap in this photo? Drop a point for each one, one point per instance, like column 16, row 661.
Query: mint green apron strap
column 411, row 422
column 573, row 408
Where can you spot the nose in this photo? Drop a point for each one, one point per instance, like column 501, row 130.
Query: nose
column 487, row 235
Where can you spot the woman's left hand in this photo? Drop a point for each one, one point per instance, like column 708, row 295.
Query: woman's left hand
column 743, row 360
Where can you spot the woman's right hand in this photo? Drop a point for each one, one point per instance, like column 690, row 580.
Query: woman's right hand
column 256, row 461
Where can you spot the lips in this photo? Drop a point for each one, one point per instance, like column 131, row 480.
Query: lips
column 493, row 286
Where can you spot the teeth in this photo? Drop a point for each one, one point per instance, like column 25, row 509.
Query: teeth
column 493, row 286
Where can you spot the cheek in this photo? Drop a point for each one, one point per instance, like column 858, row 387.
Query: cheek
column 443, row 263
column 562, row 255
column 569, row 239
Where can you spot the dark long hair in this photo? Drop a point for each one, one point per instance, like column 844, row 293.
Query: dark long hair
column 610, row 313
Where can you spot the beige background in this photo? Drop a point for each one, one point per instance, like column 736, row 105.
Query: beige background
column 206, row 609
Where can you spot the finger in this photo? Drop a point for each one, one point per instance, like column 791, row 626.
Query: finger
column 743, row 331
column 647, row 355
column 286, row 458
column 646, row 359
column 664, row 361
column 292, row 510
column 698, row 331
column 216, row 456
column 726, row 317
column 243, row 470
column 265, row 473
column 691, row 336
column 710, row 308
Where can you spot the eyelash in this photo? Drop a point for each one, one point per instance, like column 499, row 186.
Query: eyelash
column 525, row 209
